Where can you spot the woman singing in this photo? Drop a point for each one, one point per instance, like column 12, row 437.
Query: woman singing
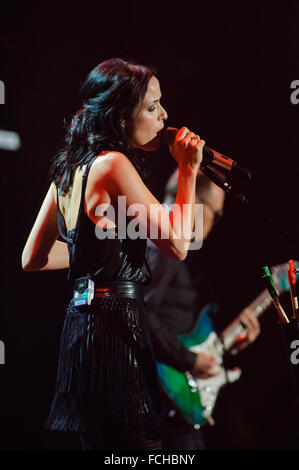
column 107, row 386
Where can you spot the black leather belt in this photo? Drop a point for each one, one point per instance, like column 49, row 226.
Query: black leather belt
column 120, row 289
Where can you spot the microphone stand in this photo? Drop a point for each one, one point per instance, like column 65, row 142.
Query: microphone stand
column 222, row 181
column 289, row 328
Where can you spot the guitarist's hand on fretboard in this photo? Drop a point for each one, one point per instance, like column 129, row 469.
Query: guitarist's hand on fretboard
column 205, row 366
column 252, row 330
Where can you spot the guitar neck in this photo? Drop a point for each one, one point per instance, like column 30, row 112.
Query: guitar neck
column 235, row 329
column 259, row 305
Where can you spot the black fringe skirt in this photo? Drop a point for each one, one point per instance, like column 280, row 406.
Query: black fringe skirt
column 106, row 370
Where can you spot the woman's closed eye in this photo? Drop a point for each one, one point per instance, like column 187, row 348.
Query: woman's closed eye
column 154, row 106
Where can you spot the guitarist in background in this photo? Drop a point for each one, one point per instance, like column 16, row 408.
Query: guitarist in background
column 174, row 299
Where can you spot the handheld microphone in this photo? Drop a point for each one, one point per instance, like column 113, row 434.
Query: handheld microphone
column 266, row 275
column 292, row 283
column 210, row 156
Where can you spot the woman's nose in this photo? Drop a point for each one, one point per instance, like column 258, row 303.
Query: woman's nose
column 164, row 114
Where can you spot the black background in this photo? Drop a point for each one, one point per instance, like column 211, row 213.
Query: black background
column 225, row 70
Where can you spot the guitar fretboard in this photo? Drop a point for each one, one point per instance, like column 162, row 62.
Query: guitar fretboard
column 235, row 329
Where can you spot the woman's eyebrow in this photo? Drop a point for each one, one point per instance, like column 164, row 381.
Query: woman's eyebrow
column 155, row 101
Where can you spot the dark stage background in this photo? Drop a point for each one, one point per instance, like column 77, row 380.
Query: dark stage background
column 225, row 70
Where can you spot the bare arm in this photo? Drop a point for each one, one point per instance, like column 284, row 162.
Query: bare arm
column 42, row 250
column 58, row 258
column 172, row 232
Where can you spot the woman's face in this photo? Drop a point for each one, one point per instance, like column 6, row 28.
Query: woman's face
column 148, row 120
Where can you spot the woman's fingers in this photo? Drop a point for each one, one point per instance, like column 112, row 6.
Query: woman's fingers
column 187, row 147
column 182, row 134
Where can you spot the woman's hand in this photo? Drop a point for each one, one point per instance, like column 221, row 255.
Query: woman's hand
column 187, row 148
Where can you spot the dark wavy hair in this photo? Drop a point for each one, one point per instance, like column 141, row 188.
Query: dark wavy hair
column 110, row 93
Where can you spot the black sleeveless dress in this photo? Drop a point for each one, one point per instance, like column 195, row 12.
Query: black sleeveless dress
column 106, row 372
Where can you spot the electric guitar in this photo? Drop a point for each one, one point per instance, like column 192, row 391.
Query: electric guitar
column 196, row 398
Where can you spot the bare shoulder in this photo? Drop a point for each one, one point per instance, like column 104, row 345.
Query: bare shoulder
column 110, row 161
column 53, row 191
column 110, row 166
